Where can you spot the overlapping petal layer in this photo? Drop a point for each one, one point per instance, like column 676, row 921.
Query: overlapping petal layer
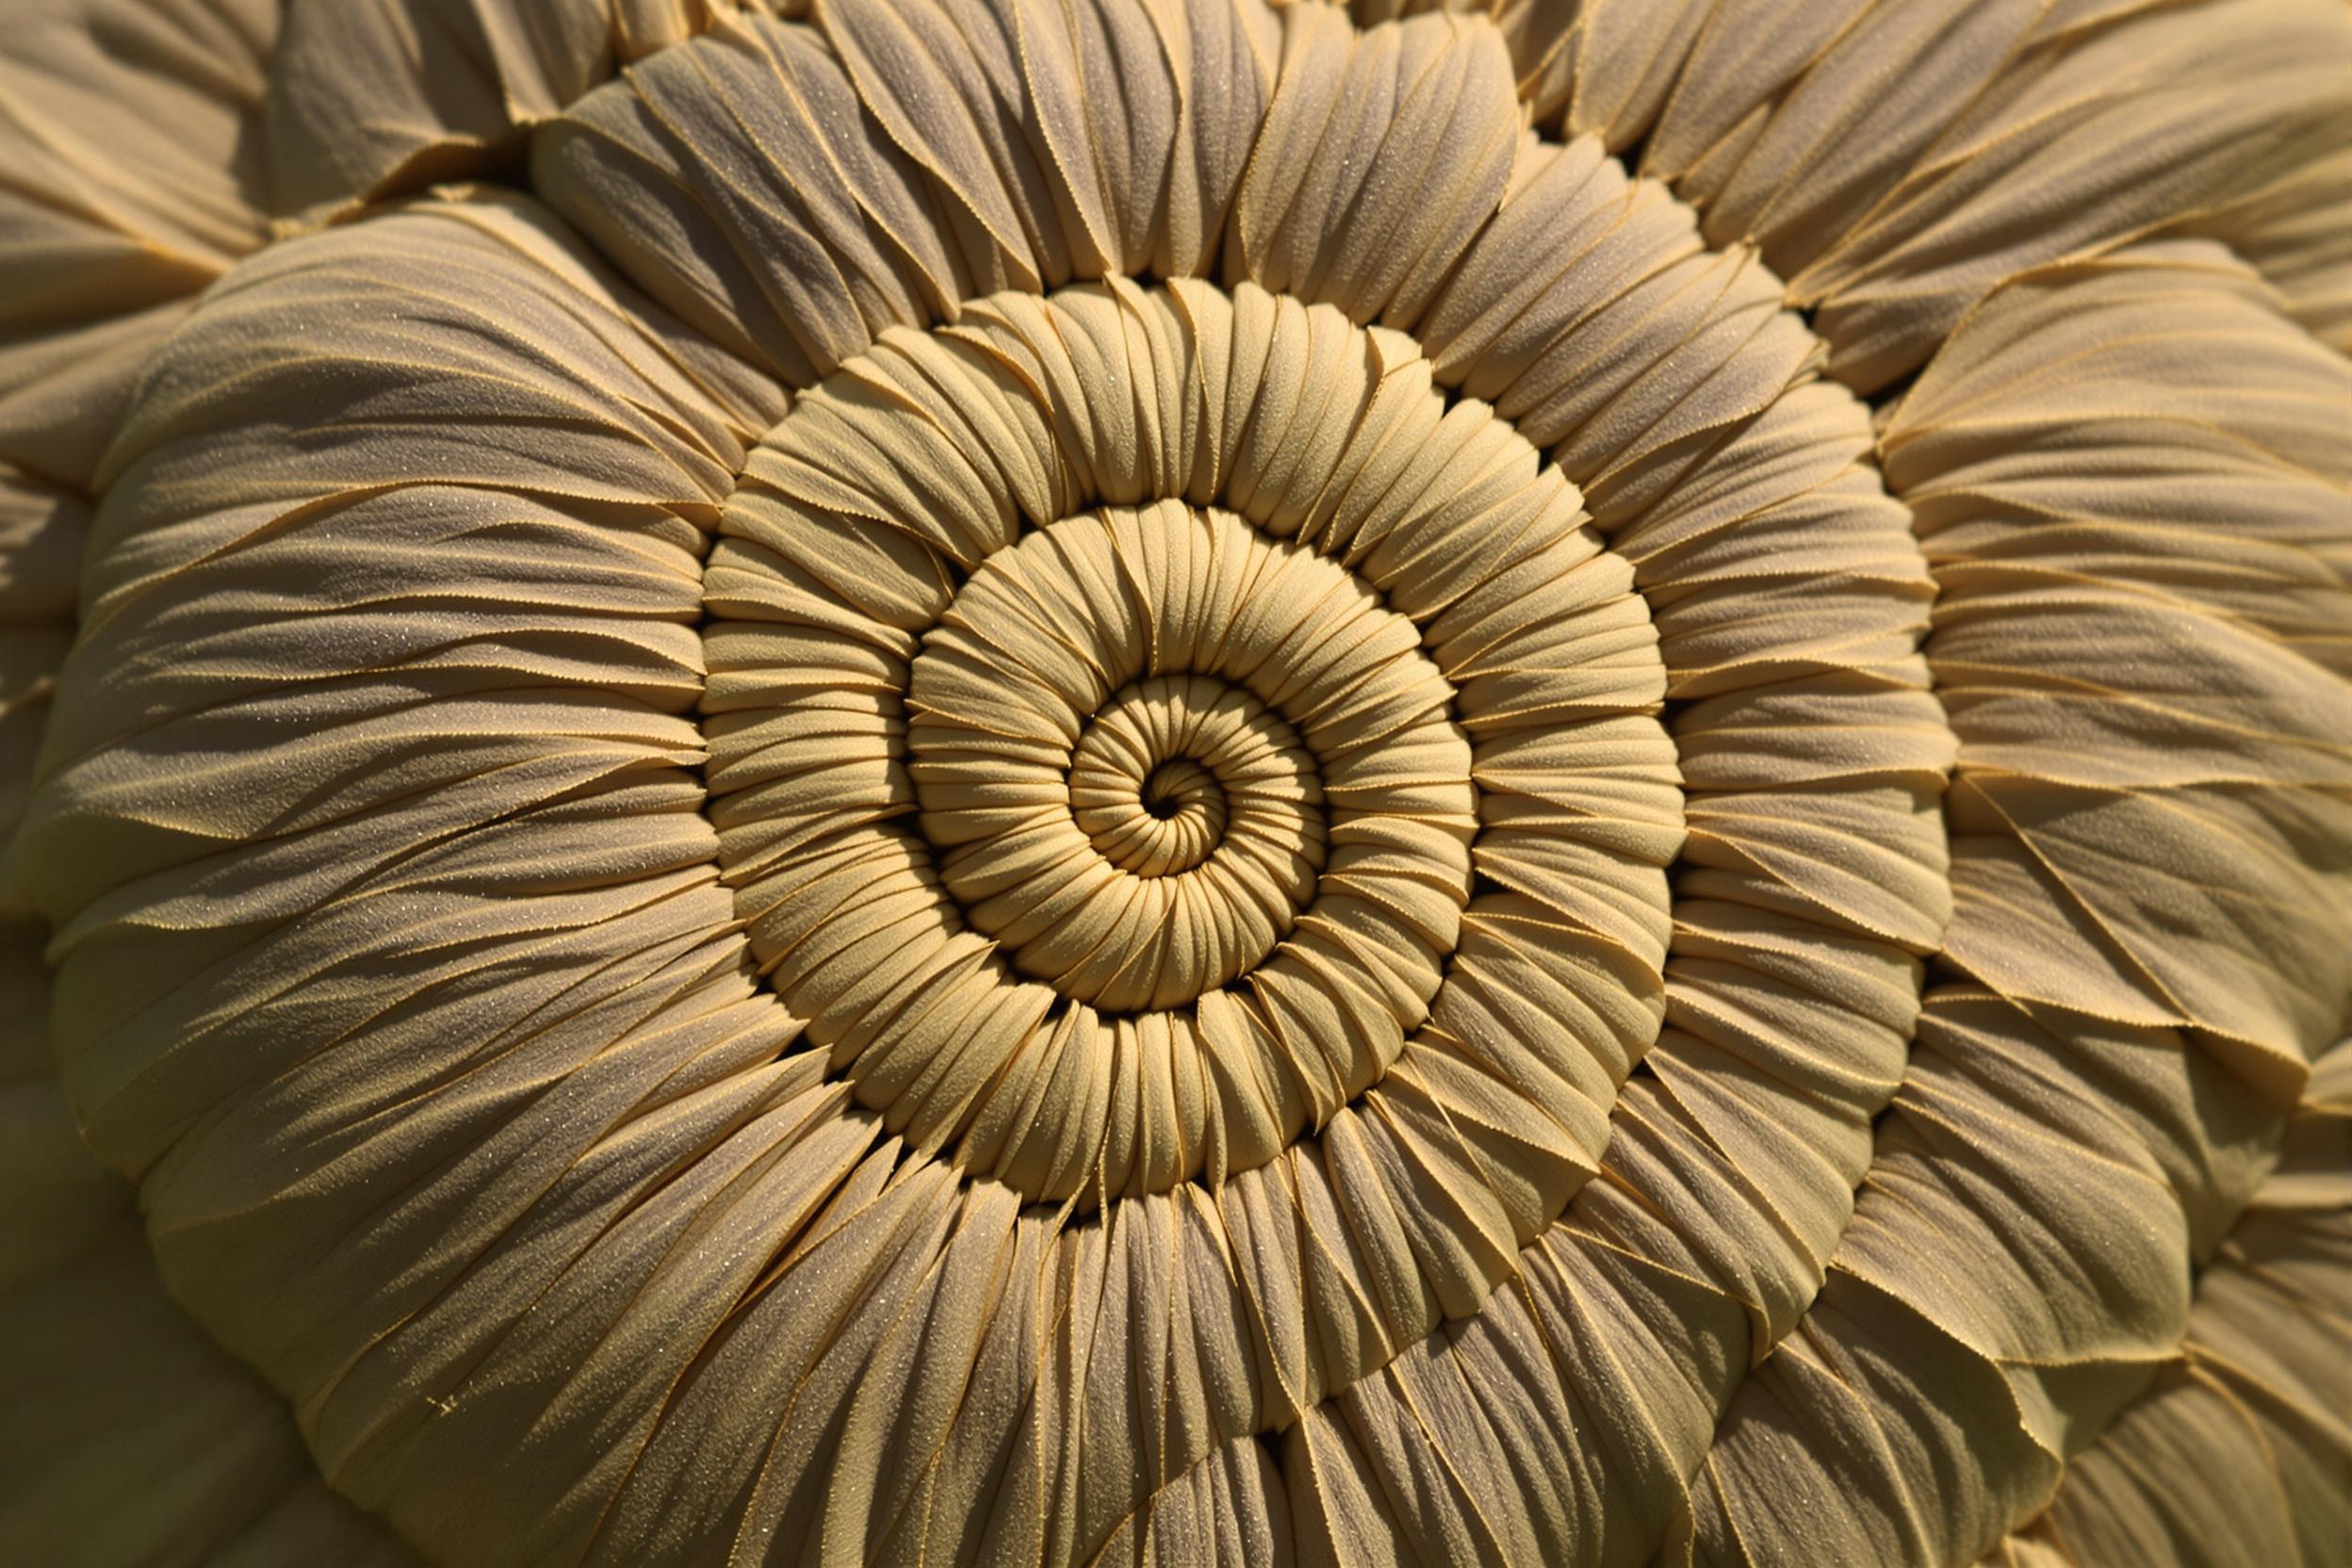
column 2255, row 1410
column 532, row 751
column 372, row 99
column 108, row 222
column 1895, row 158
column 786, row 887
column 2144, row 601
column 1403, row 603
column 129, row 1435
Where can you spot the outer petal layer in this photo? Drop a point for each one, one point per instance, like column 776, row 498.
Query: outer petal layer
column 2134, row 831
column 128, row 181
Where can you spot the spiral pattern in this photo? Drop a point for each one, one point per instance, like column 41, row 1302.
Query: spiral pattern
column 1149, row 783
column 1402, row 663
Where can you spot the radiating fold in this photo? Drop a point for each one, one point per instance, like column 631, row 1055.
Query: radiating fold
column 924, row 635
column 2235, row 1453
column 2151, row 915
column 140, row 1437
column 1066, row 780
column 1893, row 159
column 370, row 99
column 111, row 218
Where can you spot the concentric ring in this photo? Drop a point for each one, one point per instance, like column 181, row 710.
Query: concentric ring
column 1169, row 768
column 400, row 961
column 1161, row 857
column 1037, row 641
column 925, row 892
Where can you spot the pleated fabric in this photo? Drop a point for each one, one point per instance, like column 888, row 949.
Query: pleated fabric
column 129, row 1435
column 1398, row 662
column 2147, row 941
column 2254, row 1409
column 108, row 221
column 372, row 99
column 1892, row 159
column 1146, row 781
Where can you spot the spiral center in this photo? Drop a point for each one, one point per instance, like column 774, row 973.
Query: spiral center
column 1179, row 785
column 1137, row 849
column 1169, row 767
column 1114, row 813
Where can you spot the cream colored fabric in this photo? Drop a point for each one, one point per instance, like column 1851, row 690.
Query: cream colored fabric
column 376, row 98
column 2238, row 1453
column 109, row 219
column 127, row 1436
column 2293, row 231
column 2142, row 547
column 1415, row 608
column 2114, row 507
column 1109, row 782
column 127, row 182
column 41, row 530
column 130, row 1436
column 1894, row 158
column 2021, row 132
column 1411, row 1204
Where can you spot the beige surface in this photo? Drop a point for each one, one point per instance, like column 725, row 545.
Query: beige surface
column 749, row 869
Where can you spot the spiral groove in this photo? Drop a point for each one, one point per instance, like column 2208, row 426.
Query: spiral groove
column 982, row 782
column 970, row 893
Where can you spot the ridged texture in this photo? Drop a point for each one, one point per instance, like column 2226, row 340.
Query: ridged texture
column 2237, row 1453
column 2144, row 601
column 759, row 862
column 108, row 222
column 370, row 99
column 1894, row 158
column 129, row 1435
column 914, row 729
